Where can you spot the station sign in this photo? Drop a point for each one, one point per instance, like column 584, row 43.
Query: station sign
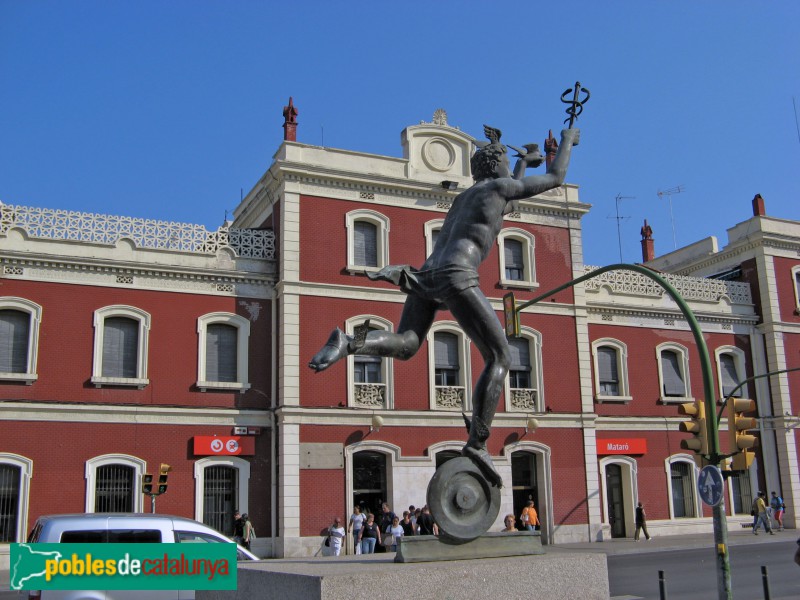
column 215, row 445
column 621, row 446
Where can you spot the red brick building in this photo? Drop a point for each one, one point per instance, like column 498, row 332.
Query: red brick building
column 133, row 343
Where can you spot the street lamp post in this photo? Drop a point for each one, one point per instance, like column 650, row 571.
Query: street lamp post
column 714, row 456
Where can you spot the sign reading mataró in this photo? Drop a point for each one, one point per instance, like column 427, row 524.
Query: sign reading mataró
column 622, row 446
column 211, row 445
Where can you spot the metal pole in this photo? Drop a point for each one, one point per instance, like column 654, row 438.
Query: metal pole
column 662, row 586
column 720, row 522
column 765, row 581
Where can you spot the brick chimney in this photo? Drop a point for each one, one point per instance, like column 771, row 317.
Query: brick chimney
column 758, row 206
column 648, row 244
column 290, row 122
column 550, row 148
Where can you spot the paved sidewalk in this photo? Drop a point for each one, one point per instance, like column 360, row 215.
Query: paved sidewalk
column 668, row 543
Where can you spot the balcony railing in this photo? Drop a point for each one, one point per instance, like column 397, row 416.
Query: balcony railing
column 523, row 399
column 45, row 223
column 450, row 397
column 370, row 395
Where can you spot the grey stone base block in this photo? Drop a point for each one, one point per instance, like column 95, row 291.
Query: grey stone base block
column 563, row 576
column 428, row 548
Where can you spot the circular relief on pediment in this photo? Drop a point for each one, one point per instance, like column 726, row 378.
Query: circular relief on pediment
column 438, row 154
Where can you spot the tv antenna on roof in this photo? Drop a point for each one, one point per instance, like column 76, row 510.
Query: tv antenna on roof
column 618, row 219
column 678, row 189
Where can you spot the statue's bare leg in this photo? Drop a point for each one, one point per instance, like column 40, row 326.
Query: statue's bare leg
column 417, row 317
column 479, row 321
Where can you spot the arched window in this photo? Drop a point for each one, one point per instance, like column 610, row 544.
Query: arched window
column 19, row 339
column 367, row 240
column 221, row 487
column 517, row 258
column 120, row 346
column 113, row 483
column 369, row 377
column 15, row 476
column 524, row 389
column 610, row 370
column 731, row 371
column 432, row 229
column 448, row 357
column 223, row 357
column 673, row 373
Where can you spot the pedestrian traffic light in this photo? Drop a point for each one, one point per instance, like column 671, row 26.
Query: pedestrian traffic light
column 697, row 426
column 147, row 483
column 162, row 477
column 741, row 443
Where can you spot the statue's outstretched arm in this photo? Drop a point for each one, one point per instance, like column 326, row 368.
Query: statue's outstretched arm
column 556, row 172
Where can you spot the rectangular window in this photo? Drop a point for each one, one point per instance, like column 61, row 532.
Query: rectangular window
column 120, row 347
column 520, row 369
column 514, row 261
column 221, row 352
column 112, row 536
column 608, row 371
column 14, row 337
column 365, row 239
column 220, row 497
column 446, row 356
column 114, row 489
column 674, row 385
column 730, row 378
column 9, row 502
column 367, row 369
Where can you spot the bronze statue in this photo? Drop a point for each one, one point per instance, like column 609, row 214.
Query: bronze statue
column 449, row 280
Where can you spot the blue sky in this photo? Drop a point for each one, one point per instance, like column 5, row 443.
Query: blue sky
column 166, row 110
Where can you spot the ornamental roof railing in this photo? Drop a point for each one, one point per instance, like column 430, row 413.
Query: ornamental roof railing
column 94, row 228
column 691, row 288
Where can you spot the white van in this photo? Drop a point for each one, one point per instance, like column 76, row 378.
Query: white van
column 125, row 528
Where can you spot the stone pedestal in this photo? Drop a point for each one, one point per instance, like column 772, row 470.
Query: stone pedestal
column 375, row 577
column 427, row 548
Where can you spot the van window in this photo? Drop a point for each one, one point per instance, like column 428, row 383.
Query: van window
column 113, row 536
column 192, row 537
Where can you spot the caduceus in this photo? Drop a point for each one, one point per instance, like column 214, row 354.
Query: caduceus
column 576, row 103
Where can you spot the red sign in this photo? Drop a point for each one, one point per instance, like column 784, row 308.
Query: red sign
column 622, row 446
column 213, row 445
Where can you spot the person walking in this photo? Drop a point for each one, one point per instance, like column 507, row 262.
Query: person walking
column 248, row 531
column 760, row 513
column 356, row 521
column 641, row 523
column 778, row 508
column 238, row 528
column 427, row 526
column 529, row 517
column 336, row 534
column 408, row 525
column 369, row 536
column 393, row 533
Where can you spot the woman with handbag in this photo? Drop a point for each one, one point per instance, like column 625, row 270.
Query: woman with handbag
column 394, row 533
column 369, row 536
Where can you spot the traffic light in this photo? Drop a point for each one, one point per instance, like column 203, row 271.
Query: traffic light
column 147, row 483
column 162, row 477
column 740, row 442
column 510, row 315
column 697, row 426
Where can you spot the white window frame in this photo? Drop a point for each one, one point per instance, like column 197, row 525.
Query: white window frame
column 534, row 339
column 464, row 363
column 242, row 325
column 528, row 241
column 738, row 361
column 387, row 364
column 796, row 286
column 25, row 466
column 139, row 468
column 143, row 319
column 630, row 487
column 683, row 364
column 242, row 465
column 35, row 314
column 431, row 227
column 622, row 370
column 382, row 224
column 694, row 472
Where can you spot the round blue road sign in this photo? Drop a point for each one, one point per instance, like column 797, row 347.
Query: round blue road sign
column 711, row 485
